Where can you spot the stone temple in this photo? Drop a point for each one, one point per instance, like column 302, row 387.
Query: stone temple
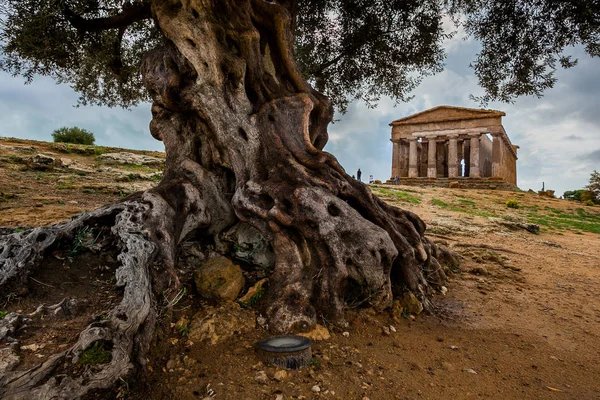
column 445, row 144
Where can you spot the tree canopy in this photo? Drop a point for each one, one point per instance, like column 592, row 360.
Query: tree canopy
column 348, row 49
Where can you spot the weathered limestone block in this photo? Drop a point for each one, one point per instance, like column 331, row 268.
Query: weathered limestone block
column 43, row 162
column 131, row 158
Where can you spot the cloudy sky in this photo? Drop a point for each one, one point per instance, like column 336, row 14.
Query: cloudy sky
column 558, row 135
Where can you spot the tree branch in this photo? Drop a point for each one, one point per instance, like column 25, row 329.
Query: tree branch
column 131, row 13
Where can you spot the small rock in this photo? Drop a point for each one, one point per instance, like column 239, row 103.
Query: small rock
column 392, row 329
column 447, row 366
column 171, row 364
column 280, row 375
column 319, row 332
column 66, row 162
column 346, row 334
column 261, row 377
column 33, row 347
column 386, row 331
column 279, row 397
column 470, row 371
column 479, row 270
column 411, row 304
column 443, row 290
column 316, row 389
column 453, row 347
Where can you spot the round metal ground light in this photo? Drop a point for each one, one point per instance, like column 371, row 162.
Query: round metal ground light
column 286, row 351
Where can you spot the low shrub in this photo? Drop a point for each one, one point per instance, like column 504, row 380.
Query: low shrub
column 73, row 135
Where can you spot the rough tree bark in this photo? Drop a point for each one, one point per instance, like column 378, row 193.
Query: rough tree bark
column 243, row 133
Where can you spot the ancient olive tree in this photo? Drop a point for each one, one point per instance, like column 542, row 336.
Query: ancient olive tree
column 242, row 94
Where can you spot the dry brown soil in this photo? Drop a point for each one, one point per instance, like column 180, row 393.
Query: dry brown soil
column 521, row 319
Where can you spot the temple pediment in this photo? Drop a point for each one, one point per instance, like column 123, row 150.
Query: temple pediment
column 445, row 114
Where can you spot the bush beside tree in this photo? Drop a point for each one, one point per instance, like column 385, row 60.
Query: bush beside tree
column 594, row 187
column 589, row 195
column 73, row 135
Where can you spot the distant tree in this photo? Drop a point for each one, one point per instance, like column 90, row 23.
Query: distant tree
column 243, row 93
column 594, row 187
column 73, row 135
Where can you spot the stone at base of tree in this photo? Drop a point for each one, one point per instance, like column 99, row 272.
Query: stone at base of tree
column 319, row 332
column 411, row 304
column 253, row 294
column 397, row 311
column 220, row 324
column 245, row 242
column 219, row 279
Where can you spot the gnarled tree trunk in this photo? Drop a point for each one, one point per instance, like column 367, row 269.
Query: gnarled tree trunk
column 244, row 134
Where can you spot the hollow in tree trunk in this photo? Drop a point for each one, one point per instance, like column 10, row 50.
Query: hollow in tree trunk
column 244, row 136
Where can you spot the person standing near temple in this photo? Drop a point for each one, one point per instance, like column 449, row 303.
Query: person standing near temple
column 358, row 174
column 396, row 179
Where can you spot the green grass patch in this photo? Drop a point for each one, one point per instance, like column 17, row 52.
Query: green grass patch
column 398, row 194
column 94, row 355
column 3, row 314
column 65, row 185
column 440, row 203
column 578, row 220
column 463, row 206
column 466, row 202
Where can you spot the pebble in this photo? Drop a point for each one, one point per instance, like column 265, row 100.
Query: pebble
column 392, row 328
column 316, row 389
column 386, row 331
column 453, row 347
column 261, row 377
column 447, row 366
column 346, row 334
column 470, row 371
column 280, row 375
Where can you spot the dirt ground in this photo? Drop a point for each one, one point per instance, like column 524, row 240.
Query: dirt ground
column 520, row 320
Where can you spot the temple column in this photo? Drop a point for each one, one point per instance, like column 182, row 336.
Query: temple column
column 395, row 156
column 413, row 163
column 497, row 155
column 431, row 159
column 474, row 164
column 453, row 156
column 403, row 167
column 460, row 156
